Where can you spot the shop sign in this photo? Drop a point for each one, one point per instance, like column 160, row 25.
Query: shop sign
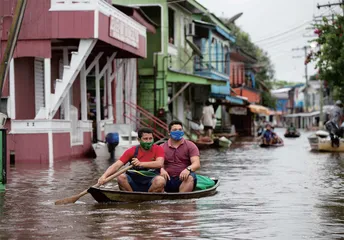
column 238, row 110
column 123, row 31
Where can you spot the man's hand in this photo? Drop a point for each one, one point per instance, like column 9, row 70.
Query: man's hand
column 135, row 162
column 101, row 180
column 165, row 174
column 184, row 175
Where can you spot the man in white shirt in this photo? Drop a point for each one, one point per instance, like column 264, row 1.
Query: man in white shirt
column 208, row 118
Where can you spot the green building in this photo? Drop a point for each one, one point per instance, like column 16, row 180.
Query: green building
column 187, row 58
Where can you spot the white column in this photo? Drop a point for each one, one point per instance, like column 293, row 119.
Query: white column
column 51, row 148
column 105, row 77
column 47, row 87
column 83, row 93
column 109, row 93
column 66, row 103
column 12, row 91
column 97, row 79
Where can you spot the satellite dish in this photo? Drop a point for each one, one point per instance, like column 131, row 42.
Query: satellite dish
column 235, row 17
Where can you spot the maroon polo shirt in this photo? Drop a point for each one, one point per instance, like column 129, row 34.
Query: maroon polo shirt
column 177, row 159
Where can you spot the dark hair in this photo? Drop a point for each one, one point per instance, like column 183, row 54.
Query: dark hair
column 207, row 103
column 144, row 130
column 174, row 122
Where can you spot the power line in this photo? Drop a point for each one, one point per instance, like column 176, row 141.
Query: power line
column 285, row 32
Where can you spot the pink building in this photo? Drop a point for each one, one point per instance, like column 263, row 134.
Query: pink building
column 62, row 45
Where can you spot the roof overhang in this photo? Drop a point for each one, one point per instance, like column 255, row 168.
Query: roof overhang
column 182, row 77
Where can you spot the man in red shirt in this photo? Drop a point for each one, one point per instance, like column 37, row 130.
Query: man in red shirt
column 142, row 178
column 181, row 161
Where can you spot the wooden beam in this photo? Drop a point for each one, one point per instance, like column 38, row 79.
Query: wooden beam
column 179, row 92
column 12, row 40
column 93, row 63
column 107, row 65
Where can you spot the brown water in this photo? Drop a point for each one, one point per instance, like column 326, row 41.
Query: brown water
column 281, row 193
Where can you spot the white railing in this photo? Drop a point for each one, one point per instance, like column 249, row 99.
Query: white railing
column 100, row 5
column 40, row 126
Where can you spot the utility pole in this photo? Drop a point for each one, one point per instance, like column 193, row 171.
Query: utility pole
column 332, row 4
column 305, row 49
column 12, row 40
column 321, row 117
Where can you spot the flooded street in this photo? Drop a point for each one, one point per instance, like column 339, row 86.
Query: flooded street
column 281, row 193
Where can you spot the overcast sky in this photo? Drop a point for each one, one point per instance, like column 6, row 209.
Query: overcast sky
column 263, row 19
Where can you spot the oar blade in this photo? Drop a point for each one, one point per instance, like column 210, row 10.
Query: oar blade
column 67, row 200
column 71, row 199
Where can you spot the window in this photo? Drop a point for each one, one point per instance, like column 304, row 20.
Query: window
column 171, row 36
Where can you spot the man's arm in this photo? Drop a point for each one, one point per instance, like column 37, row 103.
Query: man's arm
column 111, row 170
column 195, row 163
column 158, row 163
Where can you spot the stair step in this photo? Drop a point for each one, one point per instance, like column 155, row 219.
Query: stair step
column 75, row 53
column 66, row 67
column 59, row 80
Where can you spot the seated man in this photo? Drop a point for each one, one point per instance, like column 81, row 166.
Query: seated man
column 291, row 128
column 144, row 157
column 181, row 161
column 267, row 135
column 332, row 126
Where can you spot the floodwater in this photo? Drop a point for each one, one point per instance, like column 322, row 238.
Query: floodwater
column 282, row 193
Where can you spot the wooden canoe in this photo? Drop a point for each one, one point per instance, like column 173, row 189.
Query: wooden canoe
column 271, row 145
column 104, row 195
column 292, row 135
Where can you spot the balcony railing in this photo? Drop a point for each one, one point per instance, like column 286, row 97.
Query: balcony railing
column 93, row 5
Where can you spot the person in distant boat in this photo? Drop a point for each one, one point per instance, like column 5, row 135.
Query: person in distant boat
column 291, row 128
column 268, row 135
column 181, row 161
column 333, row 125
column 208, row 118
column 147, row 159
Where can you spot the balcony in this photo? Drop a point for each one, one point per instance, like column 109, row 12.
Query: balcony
column 206, row 69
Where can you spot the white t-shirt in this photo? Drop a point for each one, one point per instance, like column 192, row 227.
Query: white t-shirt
column 208, row 112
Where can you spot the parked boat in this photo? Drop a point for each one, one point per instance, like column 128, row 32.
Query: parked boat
column 106, row 195
column 321, row 141
column 271, row 145
column 125, row 142
column 292, row 134
column 222, row 142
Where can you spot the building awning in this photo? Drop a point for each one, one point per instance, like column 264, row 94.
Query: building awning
column 183, row 77
column 311, row 114
column 259, row 109
column 228, row 98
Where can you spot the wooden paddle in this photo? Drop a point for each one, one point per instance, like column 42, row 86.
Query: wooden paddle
column 74, row 198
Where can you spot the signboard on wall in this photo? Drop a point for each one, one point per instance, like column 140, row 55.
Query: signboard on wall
column 238, row 110
column 123, row 31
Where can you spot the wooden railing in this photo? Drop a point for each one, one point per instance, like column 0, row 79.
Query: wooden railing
column 147, row 119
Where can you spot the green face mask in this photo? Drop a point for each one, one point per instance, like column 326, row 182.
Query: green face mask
column 146, row 145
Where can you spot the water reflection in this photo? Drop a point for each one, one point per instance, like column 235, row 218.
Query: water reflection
column 158, row 220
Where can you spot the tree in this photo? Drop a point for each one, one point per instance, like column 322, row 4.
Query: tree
column 329, row 57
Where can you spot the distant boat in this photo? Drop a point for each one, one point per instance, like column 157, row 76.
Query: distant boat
column 292, row 134
column 126, row 141
column 321, row 141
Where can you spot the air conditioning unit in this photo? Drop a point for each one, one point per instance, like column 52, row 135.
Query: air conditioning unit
column 190, row 29
column 3, row 118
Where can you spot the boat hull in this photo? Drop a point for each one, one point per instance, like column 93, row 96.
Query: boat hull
column 324, row 144
column 288, row 135
column 271, row 146
column 103, row 195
